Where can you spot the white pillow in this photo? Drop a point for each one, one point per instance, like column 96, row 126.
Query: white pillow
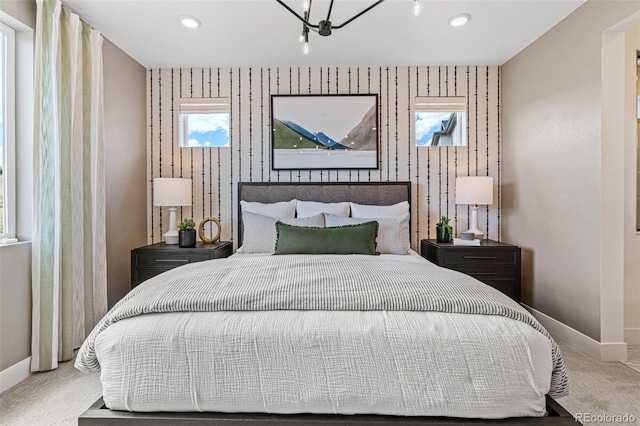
column 393, row 233
column 259, row 232
column 312, row 208
column 281, row 210
column 369, row 211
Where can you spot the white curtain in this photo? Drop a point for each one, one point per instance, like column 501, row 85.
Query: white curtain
column 69, row 254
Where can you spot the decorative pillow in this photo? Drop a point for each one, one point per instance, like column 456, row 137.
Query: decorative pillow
column 368, row 211
column 350, row 239
column 312, row 208
column 281, row 210
column 260, row 231
column 393, row 234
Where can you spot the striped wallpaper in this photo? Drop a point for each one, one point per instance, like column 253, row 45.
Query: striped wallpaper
column 432, row 170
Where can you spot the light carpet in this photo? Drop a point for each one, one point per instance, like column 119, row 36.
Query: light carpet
column 600, row 388
column 58, row 397
column 633, row 358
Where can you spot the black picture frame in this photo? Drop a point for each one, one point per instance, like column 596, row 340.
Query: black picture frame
column 325, row 132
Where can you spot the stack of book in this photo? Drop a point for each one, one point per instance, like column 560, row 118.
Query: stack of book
column 460, row 242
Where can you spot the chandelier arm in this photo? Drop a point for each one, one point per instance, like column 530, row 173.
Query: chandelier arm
column 329, row 12
column 305, row 22
column 356, row 16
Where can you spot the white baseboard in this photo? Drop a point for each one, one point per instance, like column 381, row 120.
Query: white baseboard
column 607, row 352
column 13, row 375
column 632, row 336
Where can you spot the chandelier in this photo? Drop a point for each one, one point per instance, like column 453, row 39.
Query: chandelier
column 325, row 27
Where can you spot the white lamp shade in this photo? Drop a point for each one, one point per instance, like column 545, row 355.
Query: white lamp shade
column 474, row 190
column 171, row 192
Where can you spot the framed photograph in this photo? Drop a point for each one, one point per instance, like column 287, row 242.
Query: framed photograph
column 312, row 132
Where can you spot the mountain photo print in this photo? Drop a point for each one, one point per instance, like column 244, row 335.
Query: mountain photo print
column 324, row 132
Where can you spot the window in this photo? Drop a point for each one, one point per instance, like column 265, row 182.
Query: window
column 7, row 125
column 204, row 122
column 441, row 121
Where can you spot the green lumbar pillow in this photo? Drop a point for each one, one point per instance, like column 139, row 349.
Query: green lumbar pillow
column 349, row 239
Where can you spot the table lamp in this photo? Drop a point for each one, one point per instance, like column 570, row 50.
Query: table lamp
column 474, row 190
column 171, row 192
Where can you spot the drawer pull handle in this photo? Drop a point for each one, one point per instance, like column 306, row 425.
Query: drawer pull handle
column 480, row 257
column 173, row 260
column 483, row 273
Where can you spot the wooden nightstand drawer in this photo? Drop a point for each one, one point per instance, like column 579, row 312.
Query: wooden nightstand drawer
column 494, row 263
column 143, row 274
column 472, row 255
column 487, row 272
column 152, row 260
column 169, row 260
column 507, row 287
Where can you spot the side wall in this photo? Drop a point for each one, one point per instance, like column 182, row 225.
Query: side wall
column 126, row 158
column 552, row 156
column 432, row 170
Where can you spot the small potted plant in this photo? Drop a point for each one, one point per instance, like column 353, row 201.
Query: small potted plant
column 187, row 233
column 444, row 231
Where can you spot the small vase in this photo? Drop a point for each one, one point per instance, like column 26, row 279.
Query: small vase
column 442, row 235
column 187, row 238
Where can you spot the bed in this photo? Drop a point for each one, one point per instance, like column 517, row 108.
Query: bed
column 262, row 339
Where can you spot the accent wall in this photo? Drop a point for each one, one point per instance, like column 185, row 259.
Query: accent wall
column 215, row 172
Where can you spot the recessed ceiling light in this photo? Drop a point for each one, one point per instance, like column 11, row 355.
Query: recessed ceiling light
column 459, row 20
column 189, row 21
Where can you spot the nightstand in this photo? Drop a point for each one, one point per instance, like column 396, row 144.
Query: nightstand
column 149, row 261
column 494, row 263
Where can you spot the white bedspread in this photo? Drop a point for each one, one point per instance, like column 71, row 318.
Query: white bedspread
column 292, row 361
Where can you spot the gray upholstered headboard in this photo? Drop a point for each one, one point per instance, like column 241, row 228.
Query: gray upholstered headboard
column 378, row 193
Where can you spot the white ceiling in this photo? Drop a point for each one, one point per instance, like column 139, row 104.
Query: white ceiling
column 262, row 33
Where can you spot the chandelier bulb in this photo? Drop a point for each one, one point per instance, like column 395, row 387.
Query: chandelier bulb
column 416, row 7
column 301, row 38
column 305, row 5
